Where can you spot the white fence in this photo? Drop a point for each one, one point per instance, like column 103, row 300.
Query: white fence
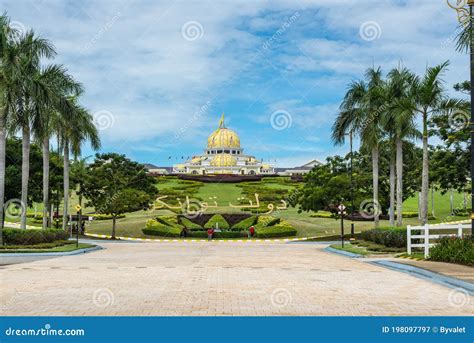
column 426, row 236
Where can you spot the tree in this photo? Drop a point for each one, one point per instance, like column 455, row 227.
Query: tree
column 59, row 87
column 115, row 185
column 427, row 97
column 27, row 94
column 73, row 131
column 360, row 113
column 401, row 127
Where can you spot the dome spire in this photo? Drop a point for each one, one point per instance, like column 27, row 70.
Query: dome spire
column 221, row 122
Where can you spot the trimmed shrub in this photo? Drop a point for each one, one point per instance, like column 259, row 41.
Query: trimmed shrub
column 409, row 214
column 279, row 230
column 170, row 221
column 322, row 214
column 273, row 222
column 102, row 216
column 264, row 220
column 454, row 250
column 33, row 236
column 190, row 225
column 155, row 228
column 222, row 234
column 219, row 220
column 245, row 224
column 390, row 237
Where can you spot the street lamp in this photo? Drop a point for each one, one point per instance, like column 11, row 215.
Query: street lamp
column 341, row 209
column 352, row 182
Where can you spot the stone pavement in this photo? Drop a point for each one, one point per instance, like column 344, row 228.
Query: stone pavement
column 212, row 279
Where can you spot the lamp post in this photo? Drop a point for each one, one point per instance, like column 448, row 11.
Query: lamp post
column 352, row 188
column 341, row 209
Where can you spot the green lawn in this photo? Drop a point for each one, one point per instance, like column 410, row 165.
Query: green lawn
column 350, row 248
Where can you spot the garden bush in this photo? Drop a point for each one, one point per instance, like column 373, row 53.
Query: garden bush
column 390, row 237
column 219, row 220
column 322, row 214
column 155, row 228
column 222, row 234
column 169, row 221
column 454, row 250
column 190, row 225
column 245, row 224
column 33, row 236
column 278, row 230
column 102, row 216
column 264, row 220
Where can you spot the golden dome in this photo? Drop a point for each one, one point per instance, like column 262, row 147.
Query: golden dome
column 223, row 137
column 223, row 160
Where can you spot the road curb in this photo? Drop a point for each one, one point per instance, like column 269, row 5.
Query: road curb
column 344, row 253
column 59, row 253
column 444, row 280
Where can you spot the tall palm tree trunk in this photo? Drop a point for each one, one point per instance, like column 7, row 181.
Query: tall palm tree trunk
column 375, row 180
column 425, row 174
column 392, row 192
column 3, row 146
column 66, row 184
column 25, row 173
column 399, row 172
column 45, row 181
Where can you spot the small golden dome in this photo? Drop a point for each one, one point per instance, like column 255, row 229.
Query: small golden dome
column 223, row 137
column 223, row 160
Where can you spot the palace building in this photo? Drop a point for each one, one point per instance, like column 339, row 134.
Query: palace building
column 223, row 155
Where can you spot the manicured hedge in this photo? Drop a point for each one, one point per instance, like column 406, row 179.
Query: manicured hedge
column 190, row 225
column 279, row 230
column 33, row 236
column 322, row 214
column 245, row 224
column 273, row 222
column 102, row 216
column 155, row 228
column 264, row 220
column 170, row 221
column 454, row 250
column 390, row 237
column 222, row 234
column 217, row 219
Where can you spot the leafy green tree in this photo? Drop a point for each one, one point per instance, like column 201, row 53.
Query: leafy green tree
column 427, row 98
column 115, row 185
column 360, row 114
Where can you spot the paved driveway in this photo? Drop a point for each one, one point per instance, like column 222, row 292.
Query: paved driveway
column 219, row 279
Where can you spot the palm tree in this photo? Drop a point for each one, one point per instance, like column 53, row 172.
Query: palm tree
column 59, row 85
column 427, row 97
column 400, row 126
column 361, row 112
column 73, row 132
column 28, row 95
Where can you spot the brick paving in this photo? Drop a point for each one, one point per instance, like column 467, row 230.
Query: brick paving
column 214, row 279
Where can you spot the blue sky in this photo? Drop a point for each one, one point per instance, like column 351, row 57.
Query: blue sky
column 158, row 74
